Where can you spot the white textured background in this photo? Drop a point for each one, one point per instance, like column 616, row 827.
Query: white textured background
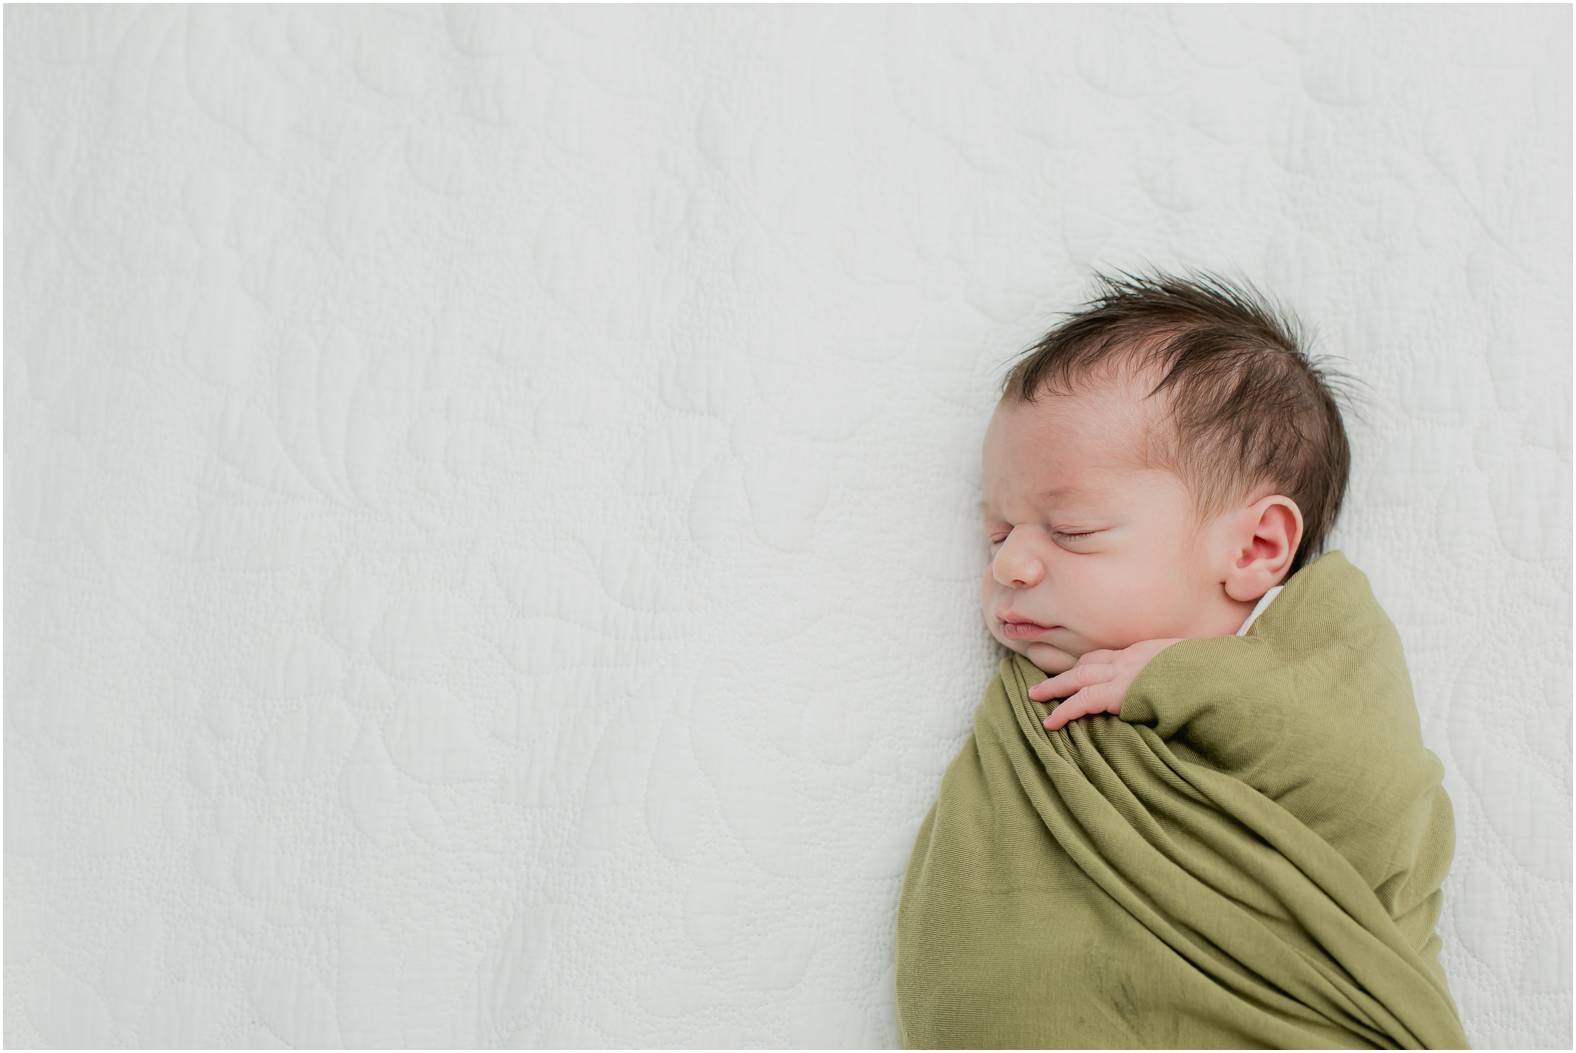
column 489, row 544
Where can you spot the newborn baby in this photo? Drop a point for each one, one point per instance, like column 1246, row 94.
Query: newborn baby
column 1103, row 550
column 1249, row 852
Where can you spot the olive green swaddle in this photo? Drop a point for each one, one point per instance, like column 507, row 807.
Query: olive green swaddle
column 1250, row 855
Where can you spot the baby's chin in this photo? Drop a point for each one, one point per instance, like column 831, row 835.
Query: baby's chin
column 1047, row 658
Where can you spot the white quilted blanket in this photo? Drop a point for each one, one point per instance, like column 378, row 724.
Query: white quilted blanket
column 490, row 556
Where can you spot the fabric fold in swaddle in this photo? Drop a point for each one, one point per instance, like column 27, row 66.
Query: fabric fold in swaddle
column 1250, row 855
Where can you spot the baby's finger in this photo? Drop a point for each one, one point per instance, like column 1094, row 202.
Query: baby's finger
column 1048, row 687
column 1066, row 713
column 1063, row 683
column 1094, row 699
column 1070, row 680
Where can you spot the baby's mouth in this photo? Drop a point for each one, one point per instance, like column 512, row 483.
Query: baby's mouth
column 1025, row 630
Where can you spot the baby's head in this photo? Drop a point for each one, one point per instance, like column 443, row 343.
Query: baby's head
column 1156, row 463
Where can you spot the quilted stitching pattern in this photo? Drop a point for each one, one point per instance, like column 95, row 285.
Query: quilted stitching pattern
column 488, row 560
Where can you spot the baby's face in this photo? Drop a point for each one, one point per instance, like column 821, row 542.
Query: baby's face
column 1137, row 575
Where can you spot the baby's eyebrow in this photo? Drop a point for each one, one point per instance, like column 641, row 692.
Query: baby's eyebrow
column 1047, row 495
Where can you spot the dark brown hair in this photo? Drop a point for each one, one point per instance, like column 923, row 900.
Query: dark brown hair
column 1249, row 414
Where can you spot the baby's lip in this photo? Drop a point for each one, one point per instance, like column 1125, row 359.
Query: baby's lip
column 1014, row 618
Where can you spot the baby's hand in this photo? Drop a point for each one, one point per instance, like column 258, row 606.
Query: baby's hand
column 1100, row 680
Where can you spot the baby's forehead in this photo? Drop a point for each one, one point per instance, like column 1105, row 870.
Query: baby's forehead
column 1100, row 432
